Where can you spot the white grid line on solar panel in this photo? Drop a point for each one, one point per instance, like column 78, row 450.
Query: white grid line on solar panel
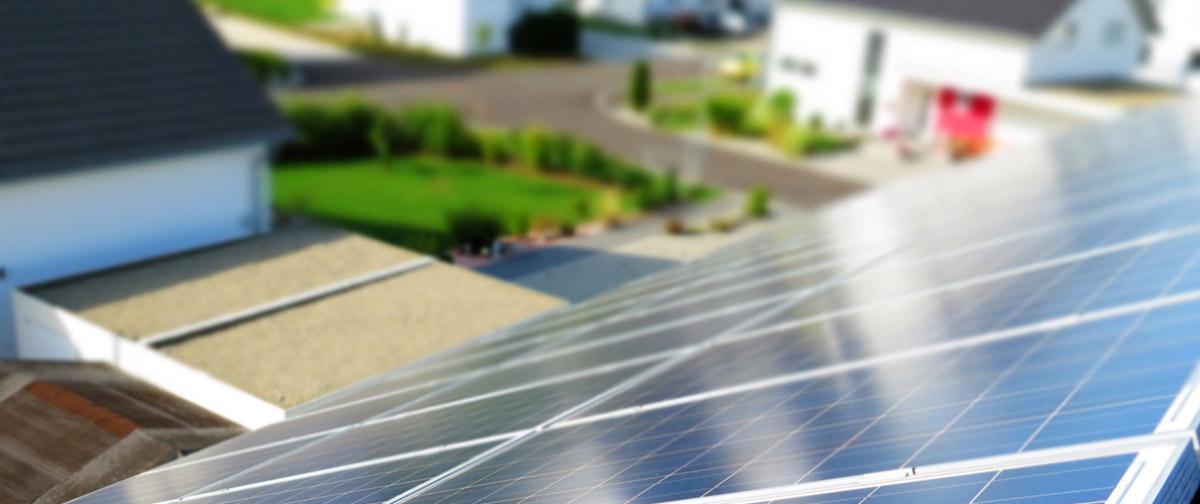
column 509, row 437
column 620, row 388
column 739, row 423
column 1059, row 323
column 321, row 453
column 1136, row 243
column 1109, row 208
column 312, row 481
column 1156, row 449
column 402, row 411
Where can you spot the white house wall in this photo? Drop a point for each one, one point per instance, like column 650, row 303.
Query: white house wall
column 449, row 27
column 818, row 57
column 634, row 12
column 1079, row 47
column 1179, row 37
column 76, row 222
column 819, row 54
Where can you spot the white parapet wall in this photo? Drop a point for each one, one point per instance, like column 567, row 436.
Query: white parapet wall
column 47, row 332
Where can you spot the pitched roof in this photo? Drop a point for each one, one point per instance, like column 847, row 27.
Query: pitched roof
column 100, row 81
column 68, row 429
column 1023, row 17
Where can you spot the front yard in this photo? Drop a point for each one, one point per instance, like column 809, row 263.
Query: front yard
column 410, row 202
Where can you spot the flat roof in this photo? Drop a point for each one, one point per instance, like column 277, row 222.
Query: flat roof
column 297, row 355
column 164, row 294
column 299, row 351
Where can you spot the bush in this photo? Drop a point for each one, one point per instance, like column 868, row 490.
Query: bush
column 474, row 229
column 567, row 229
column 675, row 226
column 382, row 137
column 781, row 106
column 724, row 224
column 675, row 117
column 266, row 66
column 640, row 86
column 331, row 131
column 758, row 203
column 496, row 147
column 802, row 141
column 550, row 33
column 728, row 112
column 436, row 129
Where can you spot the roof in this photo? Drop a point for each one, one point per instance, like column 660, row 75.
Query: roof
column 68, row 429
column 1024, row 17
column 1021, row 329
column 103, row 81
column 178, row 304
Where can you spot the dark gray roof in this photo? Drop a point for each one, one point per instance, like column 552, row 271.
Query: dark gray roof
column 1024, row 17
column 89, row 82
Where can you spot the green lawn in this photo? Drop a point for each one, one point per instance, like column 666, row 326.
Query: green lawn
column 407, row 204
column 290, row 12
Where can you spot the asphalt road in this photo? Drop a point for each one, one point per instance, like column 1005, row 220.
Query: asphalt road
column 563, row 97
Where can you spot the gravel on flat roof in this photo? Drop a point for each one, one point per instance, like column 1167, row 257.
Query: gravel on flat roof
column 172, row 292
column 296, row 355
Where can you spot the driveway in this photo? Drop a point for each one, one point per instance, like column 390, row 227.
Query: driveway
column 563, row 96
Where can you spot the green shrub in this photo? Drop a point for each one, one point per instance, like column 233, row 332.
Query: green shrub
column 803, row 141
column 531, row 146
column 584, row 209
column 782, row 107
column 550, row 33
column 671, row 191
column 758, row 203
column 640, row 86
column 587, row 160
column 567, row 229
column 724, row 224
column 675, row 226
column 496, row 147
column 728, row 112
column 266, row 66
column 436, row 129
column 382, row 137
column 330, row 131
column 675, row 117
column 474, row 229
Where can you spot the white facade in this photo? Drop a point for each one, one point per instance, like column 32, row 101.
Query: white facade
column 822, row 54
column 1176, row 48
column 451, row 27
column 642, row 12
column 64, row 224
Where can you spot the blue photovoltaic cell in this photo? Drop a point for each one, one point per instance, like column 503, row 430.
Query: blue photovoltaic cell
column 170, row 483
column 1085, row 481
column 980, row 312
column 371, row 484
column 495, row 415
column 1092, row 382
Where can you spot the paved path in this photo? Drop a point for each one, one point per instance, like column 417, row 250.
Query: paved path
column 563, row 97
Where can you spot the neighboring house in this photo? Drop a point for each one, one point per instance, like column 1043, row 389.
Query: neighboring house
column 69, row 429
column 457, row 28
column 1173, row 57
column 715, row 13
column 965, row 69
column 127, row 131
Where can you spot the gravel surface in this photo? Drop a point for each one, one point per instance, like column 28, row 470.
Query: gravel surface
column 297, row 355
column 172, row 292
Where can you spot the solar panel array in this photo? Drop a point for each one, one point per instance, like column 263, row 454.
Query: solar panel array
column 1022, row 330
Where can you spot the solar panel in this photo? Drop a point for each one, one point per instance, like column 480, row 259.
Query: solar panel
column 1021, row 330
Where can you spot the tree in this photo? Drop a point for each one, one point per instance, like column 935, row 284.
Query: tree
column 640, row 82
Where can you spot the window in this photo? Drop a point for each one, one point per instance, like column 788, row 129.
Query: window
column 1114, row 32
column 1064, row 33
column 872, row 61
column 799, row 67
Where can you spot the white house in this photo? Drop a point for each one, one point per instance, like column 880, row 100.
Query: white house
column 119, row 149
column 959, row 67
column 451, row 27
column 644, row 12
column 1173, row 56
